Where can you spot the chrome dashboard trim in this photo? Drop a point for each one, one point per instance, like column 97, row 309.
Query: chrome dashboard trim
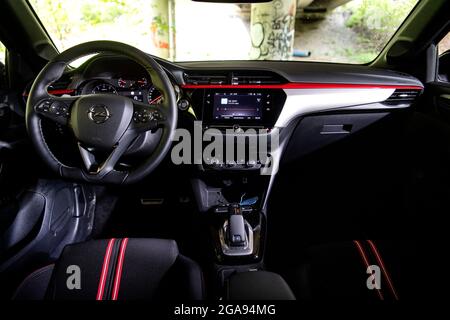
column 300, row 102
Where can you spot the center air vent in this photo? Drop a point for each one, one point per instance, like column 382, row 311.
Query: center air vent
column 252, row 77
column 262, row 78
column 197, row 79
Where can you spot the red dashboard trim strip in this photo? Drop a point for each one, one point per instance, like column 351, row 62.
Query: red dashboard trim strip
column 54, row 92
column 301, row 85
column 61, row 91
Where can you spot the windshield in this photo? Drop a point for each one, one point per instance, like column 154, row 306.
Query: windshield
column 183, row 30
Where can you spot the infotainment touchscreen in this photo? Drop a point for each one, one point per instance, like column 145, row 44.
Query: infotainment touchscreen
column 237, row 106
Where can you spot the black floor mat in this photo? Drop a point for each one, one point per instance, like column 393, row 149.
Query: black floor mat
column 171, row 214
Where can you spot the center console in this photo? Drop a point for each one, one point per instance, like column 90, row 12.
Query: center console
column 239, row 116
column 230, row 187
column 230, row 192
column 232, row 204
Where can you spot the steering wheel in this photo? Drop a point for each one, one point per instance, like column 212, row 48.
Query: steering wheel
column 106, row 122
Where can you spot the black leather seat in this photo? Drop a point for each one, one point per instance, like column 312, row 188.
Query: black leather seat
column 116, row 269
column 339, row 271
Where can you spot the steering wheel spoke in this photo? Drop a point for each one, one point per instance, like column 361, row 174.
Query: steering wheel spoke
column 56, row 109
column 101, row 169
column 148, row 117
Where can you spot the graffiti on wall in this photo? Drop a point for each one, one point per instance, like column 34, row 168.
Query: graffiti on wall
column 160, row 33
column 159, row 28
column 272, row 30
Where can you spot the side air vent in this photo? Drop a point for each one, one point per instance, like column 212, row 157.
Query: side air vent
column 403, row 95
column 197, row 79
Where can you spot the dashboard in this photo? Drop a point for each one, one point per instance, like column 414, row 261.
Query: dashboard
column 316, row 103
column 255, row 94
column 259, row 94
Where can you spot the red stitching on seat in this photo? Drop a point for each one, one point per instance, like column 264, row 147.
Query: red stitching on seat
column 383, row 268
column 123, row 247
column 366, row 262
column 106, row 259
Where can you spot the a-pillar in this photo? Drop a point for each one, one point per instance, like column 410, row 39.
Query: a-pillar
column 272, row 28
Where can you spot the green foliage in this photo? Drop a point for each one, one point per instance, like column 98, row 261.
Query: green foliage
column 106, row 12
column 378, row 20
column 56, row 16
column 358, row 55
column 380, row 15
column 374, row 23
column 70, row 22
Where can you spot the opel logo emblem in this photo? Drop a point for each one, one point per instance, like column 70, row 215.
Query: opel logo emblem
column 99, row 113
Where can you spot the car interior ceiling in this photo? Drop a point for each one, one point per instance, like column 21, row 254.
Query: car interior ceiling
column 384, row 178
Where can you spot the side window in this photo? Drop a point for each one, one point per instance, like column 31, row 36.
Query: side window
column 2, row 53
column 444, row 44
column 2, row 67
column 3, row 106
column 444, row 59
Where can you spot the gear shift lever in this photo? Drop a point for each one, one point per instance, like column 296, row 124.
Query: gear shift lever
column 236, row 226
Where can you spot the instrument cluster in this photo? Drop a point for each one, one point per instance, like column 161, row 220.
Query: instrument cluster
column 137, row 89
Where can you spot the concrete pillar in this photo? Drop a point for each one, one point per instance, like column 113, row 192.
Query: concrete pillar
column 303, row 3
column 160, row 28
column 272, row 28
